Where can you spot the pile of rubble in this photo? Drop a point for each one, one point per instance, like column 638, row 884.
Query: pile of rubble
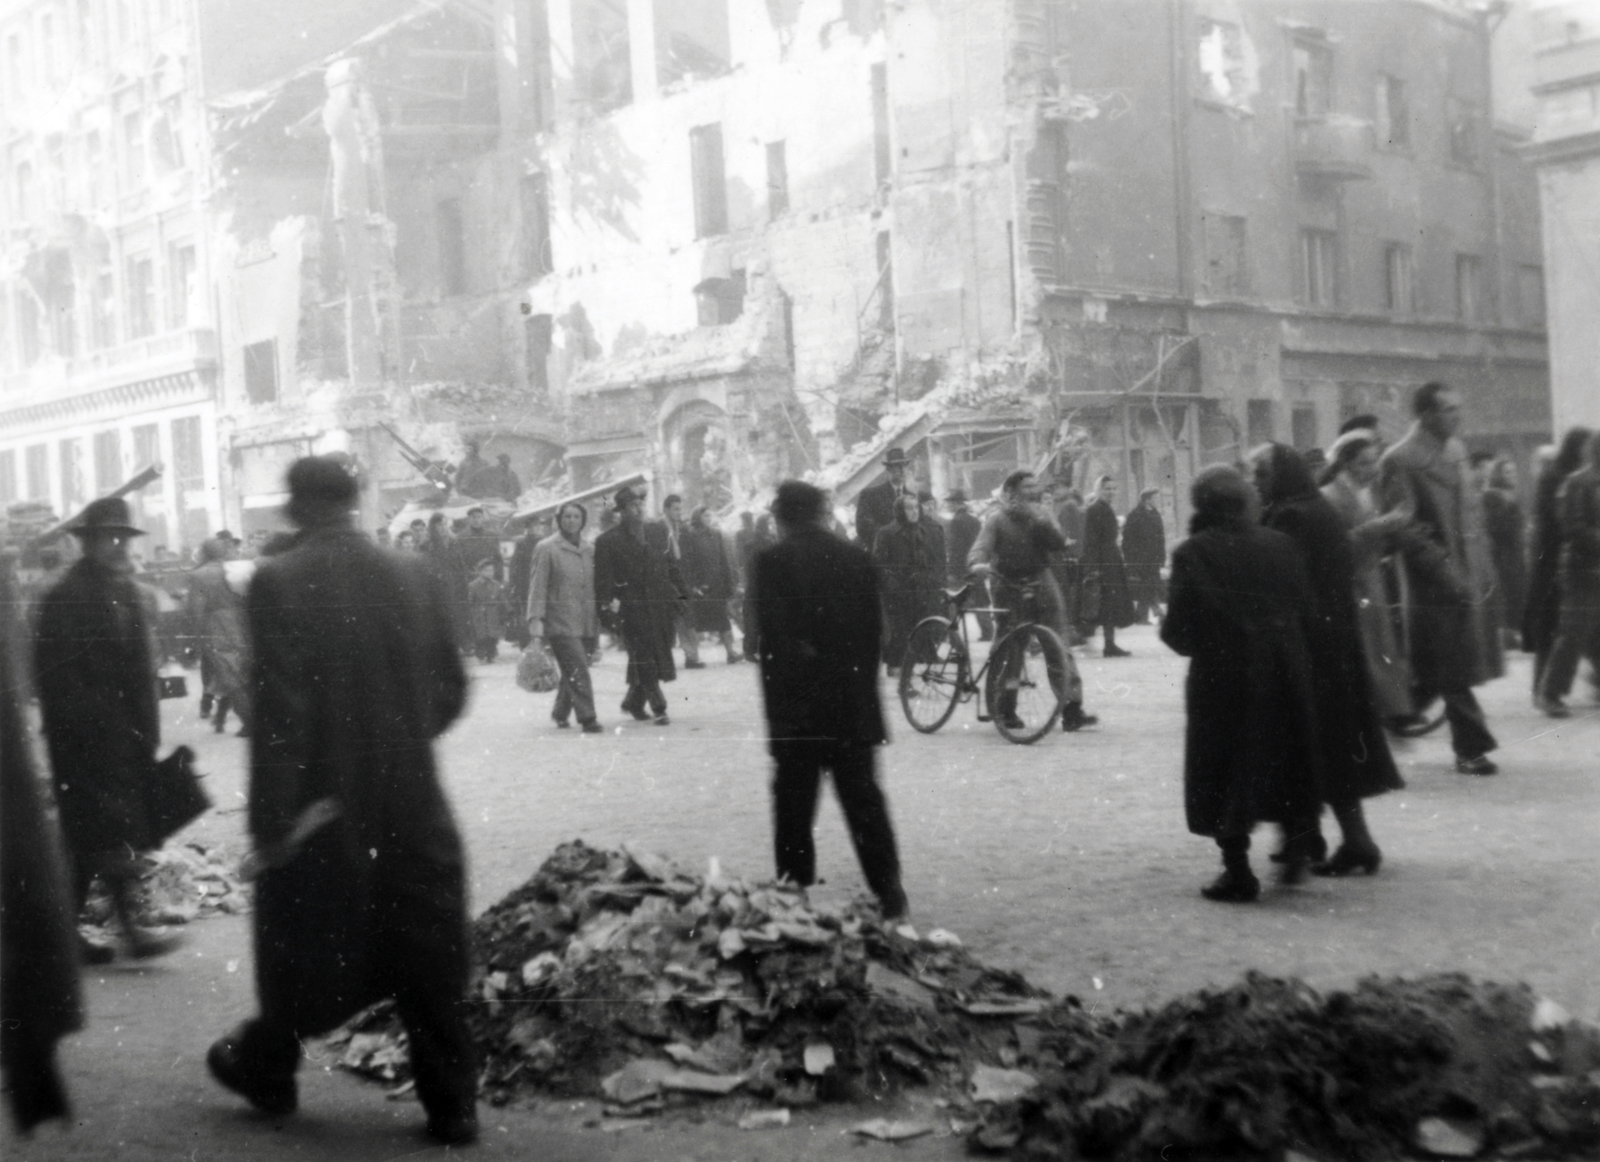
column 619, row 975
column 179, row 883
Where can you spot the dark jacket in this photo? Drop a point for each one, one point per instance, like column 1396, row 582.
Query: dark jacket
column 449, row 565
column 1503, row 519
column 910, row 560
column 356, row 673
column 1355, row 751
column 875, row 510
column 1250, row 752
column 1102, row 561
column 708, row 574
column 819, row 625
column 961, row 531
column 1578, row 504
column 1144, row 538
column 1542, row 610
column 96, row 681
column 651, row 591
column 216, row 617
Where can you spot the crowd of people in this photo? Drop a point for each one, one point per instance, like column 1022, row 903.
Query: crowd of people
column 1323, row 605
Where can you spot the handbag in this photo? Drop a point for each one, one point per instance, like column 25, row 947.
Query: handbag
column 1089, row 599
column 537, row 672
column 173, row 797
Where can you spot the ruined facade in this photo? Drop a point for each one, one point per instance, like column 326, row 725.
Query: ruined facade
column 1566, row 150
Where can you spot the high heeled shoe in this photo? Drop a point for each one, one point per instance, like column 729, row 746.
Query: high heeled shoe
column 1349, row 859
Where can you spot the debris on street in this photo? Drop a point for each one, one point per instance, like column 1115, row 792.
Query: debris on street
column 620, row 975
column 179, row 883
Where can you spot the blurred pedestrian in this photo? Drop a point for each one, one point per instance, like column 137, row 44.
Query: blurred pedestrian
column 640, row 590
column 1356, row 763
column 443, row 550
column 405, row 542
column 668, row 536
column 910, row 567
column 479, row 543
column 216, row 617
column 518, row 572
column 709, row 576
column 875, row 507
column 936, row 528
column 1454, row 644
column 1506, row 526
column 819, row 623
column 96, row 681
column 561, row 612
column 1578, row 509
column 1014, row 553
column 960, row 533
column 380, row 537
column 760, row 538
column 1236, row 604
column 361, row 892
column 40, row 999
column 1144, row 551
column 1105, row 599
column 486, row 599
column 1542, row 613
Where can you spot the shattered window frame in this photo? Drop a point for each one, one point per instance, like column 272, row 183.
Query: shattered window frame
column 603, row 54
column 1311, row 77
column 684, row 51
column 1222, row 65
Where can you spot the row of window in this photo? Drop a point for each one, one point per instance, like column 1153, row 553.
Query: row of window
column 105, row 459
column 1227, row 273
column 147, row 141
column 76, row 32
column 1225, row 76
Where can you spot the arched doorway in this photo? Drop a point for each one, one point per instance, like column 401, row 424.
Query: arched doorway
column 700, row 450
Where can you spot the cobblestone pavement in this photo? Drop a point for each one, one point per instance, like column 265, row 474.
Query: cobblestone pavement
column 1067, row 860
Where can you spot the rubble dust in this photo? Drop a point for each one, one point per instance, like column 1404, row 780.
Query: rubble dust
column 616, row 974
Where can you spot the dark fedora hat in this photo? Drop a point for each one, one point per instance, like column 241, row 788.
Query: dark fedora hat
column 109, row 514
column 625, row 496
column 896, row 456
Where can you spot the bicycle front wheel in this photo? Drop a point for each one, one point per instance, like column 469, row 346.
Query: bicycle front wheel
column 1027, row 674
column 931, row 674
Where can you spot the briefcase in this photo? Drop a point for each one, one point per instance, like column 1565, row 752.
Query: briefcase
column 173, row 796
column 172, row 686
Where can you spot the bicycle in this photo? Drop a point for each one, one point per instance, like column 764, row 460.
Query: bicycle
column 1021, row 681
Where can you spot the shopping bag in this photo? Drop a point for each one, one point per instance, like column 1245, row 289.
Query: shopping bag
column 537, row 671
column 173, row 796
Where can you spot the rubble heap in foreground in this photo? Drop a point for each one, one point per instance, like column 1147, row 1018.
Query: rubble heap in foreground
column 619, row 975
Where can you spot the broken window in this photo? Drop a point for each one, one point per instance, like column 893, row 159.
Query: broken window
column 720, row 300
column 1312, row 62
column 882, row 157
column 1224, row 72
column 141, row 296
column 777, row 180
column 1227, row 259
column 1319, row 266
column 183, row 282
column 261, row 371
column 37, row 468
column 1391, row 120
column 710, row 181
column 691, row 39
column 539, row 334
column 537, row 257
column 451, row 234
column 8, row 476
column 603, row 65
column 1397, row 279
column 107, row 460
column 1461, row 118
column 1469, row 288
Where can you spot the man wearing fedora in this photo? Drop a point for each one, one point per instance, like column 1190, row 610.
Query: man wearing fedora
column 96, row 681
column 361, row 875
column 875, row 505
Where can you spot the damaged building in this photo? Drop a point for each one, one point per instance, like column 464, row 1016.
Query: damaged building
column 729, row 241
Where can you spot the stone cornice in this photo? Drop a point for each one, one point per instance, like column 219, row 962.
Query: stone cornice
column 109, row 403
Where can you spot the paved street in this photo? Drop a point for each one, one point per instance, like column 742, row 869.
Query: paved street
column 1067, row 860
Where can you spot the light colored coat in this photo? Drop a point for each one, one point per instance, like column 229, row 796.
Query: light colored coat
column 561, row 600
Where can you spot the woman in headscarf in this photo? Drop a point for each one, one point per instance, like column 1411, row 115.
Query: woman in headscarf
column 1356, row 763
column 1347, row 484
column 911, row 568
column 1543, row 605
column 1236, row 603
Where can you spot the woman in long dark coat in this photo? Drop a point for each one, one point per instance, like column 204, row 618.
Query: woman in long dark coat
column 709, row 575
column 1543, row 604
column 1236, row 602
column 639, row 592
column 911, row 568
column 1144, row 550
column 1356, row 763
column 1106, row 599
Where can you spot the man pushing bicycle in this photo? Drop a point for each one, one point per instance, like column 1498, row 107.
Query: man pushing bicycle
column 1014, row 550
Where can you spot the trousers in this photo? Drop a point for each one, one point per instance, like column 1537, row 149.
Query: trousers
column 575, row 694
column 1575, row 635
column 795, row 785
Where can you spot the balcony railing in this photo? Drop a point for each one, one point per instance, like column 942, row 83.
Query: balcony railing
column 1332, row 149
column 164, row 354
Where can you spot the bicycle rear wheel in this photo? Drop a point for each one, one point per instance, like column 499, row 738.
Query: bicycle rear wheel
column 931, row 674
column 1026, row 674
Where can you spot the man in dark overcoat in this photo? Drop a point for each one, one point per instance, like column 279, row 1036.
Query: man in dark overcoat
column 708, row 575
column 1144, row 551
column 641, row 593
column 1356, row 763
column 96, row 681
column 669, row 536
column 961, row 531
column 216, row 617
column 362, row 889
column 875, row 505
column 1237, row 601
column 1452, row 632
column 818, row 618
column 1106, row 601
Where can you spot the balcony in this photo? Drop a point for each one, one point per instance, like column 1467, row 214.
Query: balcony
column 1332, row 149
column 154, row 357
